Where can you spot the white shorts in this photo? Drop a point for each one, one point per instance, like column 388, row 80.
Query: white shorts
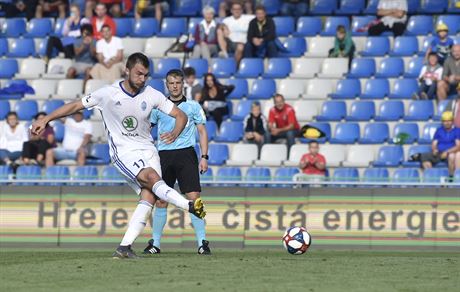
column 130, row 164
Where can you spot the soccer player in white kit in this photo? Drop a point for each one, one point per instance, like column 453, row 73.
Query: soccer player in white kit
column 125, row 107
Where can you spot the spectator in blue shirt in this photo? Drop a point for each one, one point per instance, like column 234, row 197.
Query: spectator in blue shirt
column 445, row 146
column 441, row 44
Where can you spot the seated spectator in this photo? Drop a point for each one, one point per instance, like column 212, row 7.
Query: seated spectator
column 77, row 135
column 429, row 76
column 261, row 36
column 48, row 7
column 113, row 6
column 296, row 8
column 206, row 36
column 393, row 17
column 344, row 47
column 12, row 136
column 34, row 150
column 17, row 7
column 109, row 51
column 441, row 44
column 85, row 53
column 213, row 98
column 192, row 86
column 232, row 33
column 226, row 5
column 282, row 122
column 450, row 76
column 70, row 31
column 100, row 19
column 454, row 107
column 313, row 164
column 159, row 7
column 445, row 146
column 255, row 126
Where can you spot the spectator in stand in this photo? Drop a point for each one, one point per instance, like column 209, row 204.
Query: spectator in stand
column 450, row 76
column 296, row 8
column 109, row 51
column 441, row 44
column 34, row 150
column 429, row 76
column 313, row 164
column 226, row 5
column 206, row 36
column 77, row 136
column 70, row 31
column 160, row 7
column 344, row 47
column 214, row 98
column 445, row 145
column 282, row 122
column 113, row 6
column 255, row 126
column 393, row 17
column 48, row 7
column 192, row 87
column 12, row 136
column 454, row 107
column 232, row 33
column 85, row 53
column 261, row 36
column 17, row 7
column 100, row 19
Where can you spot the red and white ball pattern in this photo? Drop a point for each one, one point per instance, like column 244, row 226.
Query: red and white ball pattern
column 296, row 240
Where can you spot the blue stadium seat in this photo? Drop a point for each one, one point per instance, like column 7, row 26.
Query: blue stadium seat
column 414, row 67
column 435, row 175
column 371, row 7
column 28, row 172
column 405, row 46
column 186, row 7
column 346, row 174
column 14, row 27
column 360, row 22
column 419, row 25
column 4, row 109
column 376, row 175
column 416, row 149
column 5, row 172
column 278, row 68
column 59, row 130
column 257, row 174
column 433, row 6
column 250, row 68
column 86, row 172
column 376, row 46
column 99, row 154
column 22, row 48
column 376, row 89
column 57, row 172
column 262, row 89
column 125, row 26
column 3, row 47
column 295, row 47
column 361, row 111
column 420, row 110
column 26, row 109
column 192, row 24
column 324, row 127
column 452, row 22
column 347, row 89
column 441, row 107
column 408, row 128
column 8, row 67
column 228, row 174
column 158, row 84
column 308, row 26
column 413, row 6
column 404, row 88
column 332, row 110
column 164, row 65
column 347, row 133
column 111, row 173
column 428, row 132
column 350, row 7
column 51, row 105
column 223, row 68
column 323, row 7
column 242, row 110
column 457, row 174
column 284, row 25
column 362, row 68
column 389, row 156
column 58, row 27
column 211, row 128
column 406, row 175
column 241, row 88
column 426, row 43
column 200, row 66
column 330, row 26
column 144, row 28
column 39, row 28
column 173, row 27
column 390, row 68
column 272, row 6
column 230, row 131
column 285, row 173
column 218, row 154
column 375, row 133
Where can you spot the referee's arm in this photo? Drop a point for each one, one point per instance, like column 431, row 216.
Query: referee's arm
column 203, row 146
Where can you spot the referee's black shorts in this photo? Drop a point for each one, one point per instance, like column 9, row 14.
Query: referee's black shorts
column 181, row 165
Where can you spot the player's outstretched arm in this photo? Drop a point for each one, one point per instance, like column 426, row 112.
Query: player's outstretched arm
column 66, row 110
column 181, row 121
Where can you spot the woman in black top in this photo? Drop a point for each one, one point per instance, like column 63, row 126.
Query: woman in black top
column 214, row 98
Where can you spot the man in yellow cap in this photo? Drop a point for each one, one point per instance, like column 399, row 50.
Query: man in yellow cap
column 450, row 75
column 441, row 44
column 445, row 145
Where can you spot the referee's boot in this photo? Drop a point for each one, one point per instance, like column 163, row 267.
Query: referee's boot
column 204, row 248
column 124, row 252
column 197, row 208
column 151, row 249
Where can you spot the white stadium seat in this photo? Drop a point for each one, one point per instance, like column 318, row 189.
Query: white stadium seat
column 31, row 68
column 272, row 155
column 305, row 110
column 334, row 68
column 69, row 88
column 94, row 84
column 334, row 154
column 359, row 156
column 319, row 46
column 296, row 152
column 304, row 68
column 243, row 155
column 57, row 68
column 44, row 88
column 290, row 88
column 132, row 45
column 156, row 47
column 318, row 89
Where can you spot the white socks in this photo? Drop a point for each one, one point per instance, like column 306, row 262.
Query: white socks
column 162, row 191
column 137, row 223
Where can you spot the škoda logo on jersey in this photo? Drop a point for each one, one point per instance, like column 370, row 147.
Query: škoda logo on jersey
column 130, row 123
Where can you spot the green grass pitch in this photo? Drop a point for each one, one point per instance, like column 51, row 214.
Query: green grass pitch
column 228, row 270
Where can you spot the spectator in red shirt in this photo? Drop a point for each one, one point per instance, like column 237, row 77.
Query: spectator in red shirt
column 113, row 6
column 100, row 19
column 313, row 163
column 282, row 122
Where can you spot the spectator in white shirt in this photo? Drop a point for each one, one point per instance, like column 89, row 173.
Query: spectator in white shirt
column 77, row 135
column 109, row 51
column 232, row 34
column 12, row 136
column 429, row 76
column 393, row 17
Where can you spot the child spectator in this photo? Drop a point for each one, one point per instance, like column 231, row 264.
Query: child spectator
column 441, row 44
column 344, row 47
column 192, row 87
column 255, row 126
column 34, row 150
column 429, row 76
column 12, row 137
column 313, row 163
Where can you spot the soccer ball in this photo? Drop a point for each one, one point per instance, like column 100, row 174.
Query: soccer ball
column 296, row 240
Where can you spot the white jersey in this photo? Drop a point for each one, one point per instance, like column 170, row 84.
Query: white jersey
column 127, row 117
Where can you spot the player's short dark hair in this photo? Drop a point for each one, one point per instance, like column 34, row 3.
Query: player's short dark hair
column 189, row 71
column 433, row 54
column 11, row 114
column 137, row 58
column 106, row 25
column 175, row 73
column 86, row 27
